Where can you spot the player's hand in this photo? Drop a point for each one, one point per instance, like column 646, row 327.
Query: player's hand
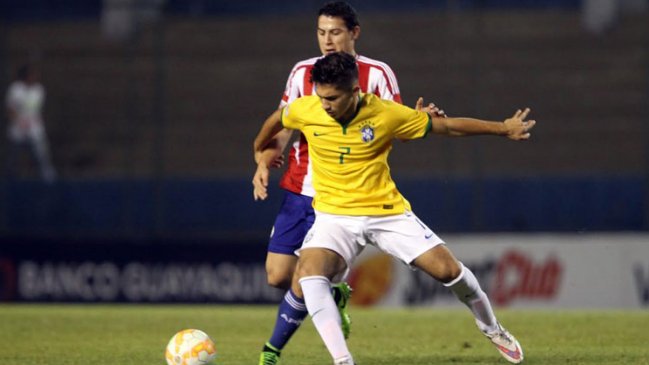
column 517, row 127
column 276, row 158
column 277, row 162
column 431, row 109
column 260, row 182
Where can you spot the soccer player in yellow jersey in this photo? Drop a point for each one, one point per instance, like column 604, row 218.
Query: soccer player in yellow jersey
column 350, row 135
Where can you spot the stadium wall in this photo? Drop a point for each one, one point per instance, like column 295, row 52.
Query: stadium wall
column 517, row 271
column 186, row 96
column 208, row 208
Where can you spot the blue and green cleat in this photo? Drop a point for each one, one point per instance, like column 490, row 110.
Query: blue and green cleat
column 269, row 355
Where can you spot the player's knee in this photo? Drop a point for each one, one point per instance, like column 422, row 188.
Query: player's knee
column 440, row 264
column 449, row 271
column 308, row 267
column 296, row 287
column 279, row 283
column 278, row 279
column 302, row 270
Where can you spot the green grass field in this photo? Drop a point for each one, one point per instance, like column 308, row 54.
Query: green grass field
column 138, row 334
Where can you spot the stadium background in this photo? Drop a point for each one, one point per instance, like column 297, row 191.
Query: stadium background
column 152, row 107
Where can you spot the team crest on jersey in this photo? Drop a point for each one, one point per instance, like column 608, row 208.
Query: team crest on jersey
column 367, row 131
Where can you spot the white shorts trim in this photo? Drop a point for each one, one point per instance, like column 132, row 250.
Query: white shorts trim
column 402, row 236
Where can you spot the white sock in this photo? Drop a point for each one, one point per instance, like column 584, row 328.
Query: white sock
column 467, row 289
column 324, row 314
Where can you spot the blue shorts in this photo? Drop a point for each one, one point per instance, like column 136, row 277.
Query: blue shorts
column 295, row 218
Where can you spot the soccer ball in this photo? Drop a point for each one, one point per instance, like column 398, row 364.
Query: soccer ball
column 190, row 347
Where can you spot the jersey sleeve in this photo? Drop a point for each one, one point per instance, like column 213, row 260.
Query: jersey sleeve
column 412, row 124
column 290, row 116
column 292, row 90
column 387, row 85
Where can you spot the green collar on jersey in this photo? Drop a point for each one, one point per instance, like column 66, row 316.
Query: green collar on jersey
column 358, row 108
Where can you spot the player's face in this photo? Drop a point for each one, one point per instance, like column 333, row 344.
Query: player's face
column 333, row 35
column 338, row 103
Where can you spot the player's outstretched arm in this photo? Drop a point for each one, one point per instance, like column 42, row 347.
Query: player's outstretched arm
column 516, row 127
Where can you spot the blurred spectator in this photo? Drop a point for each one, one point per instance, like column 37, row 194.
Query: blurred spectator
column 25, row 98
column 598, row 16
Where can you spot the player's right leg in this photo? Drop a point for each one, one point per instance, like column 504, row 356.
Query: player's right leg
column 316, row 267
column 326, row 255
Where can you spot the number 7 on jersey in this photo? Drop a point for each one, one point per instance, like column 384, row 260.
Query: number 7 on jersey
column 346, row 150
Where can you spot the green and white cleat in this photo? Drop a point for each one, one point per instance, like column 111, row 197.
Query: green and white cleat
column 506, row 344
column 342, row 292
column 269, row 355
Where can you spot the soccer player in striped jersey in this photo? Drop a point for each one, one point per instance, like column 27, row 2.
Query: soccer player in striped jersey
column 357, row 203
column 338, row 29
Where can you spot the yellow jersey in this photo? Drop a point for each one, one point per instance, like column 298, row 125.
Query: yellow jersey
column 351, row 175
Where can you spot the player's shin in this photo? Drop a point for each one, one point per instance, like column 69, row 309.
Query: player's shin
column 467, row 289
column 290, row 315
column 324, row 314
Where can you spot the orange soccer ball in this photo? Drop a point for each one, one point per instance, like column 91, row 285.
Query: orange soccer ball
column 190, row 347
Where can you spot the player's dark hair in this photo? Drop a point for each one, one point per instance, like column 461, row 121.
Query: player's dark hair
column 337, row 69
column 340, row 9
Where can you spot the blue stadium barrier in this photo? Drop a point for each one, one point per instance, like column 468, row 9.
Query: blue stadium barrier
column 226, row 207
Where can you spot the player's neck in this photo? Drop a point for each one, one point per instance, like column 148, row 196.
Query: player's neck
column 353, row 110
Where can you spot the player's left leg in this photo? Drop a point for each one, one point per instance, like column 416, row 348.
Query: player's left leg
column 440, row 263
column 291, row 226
column 407, row 238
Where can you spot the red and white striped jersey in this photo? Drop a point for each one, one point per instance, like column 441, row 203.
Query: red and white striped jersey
column 373, row 76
